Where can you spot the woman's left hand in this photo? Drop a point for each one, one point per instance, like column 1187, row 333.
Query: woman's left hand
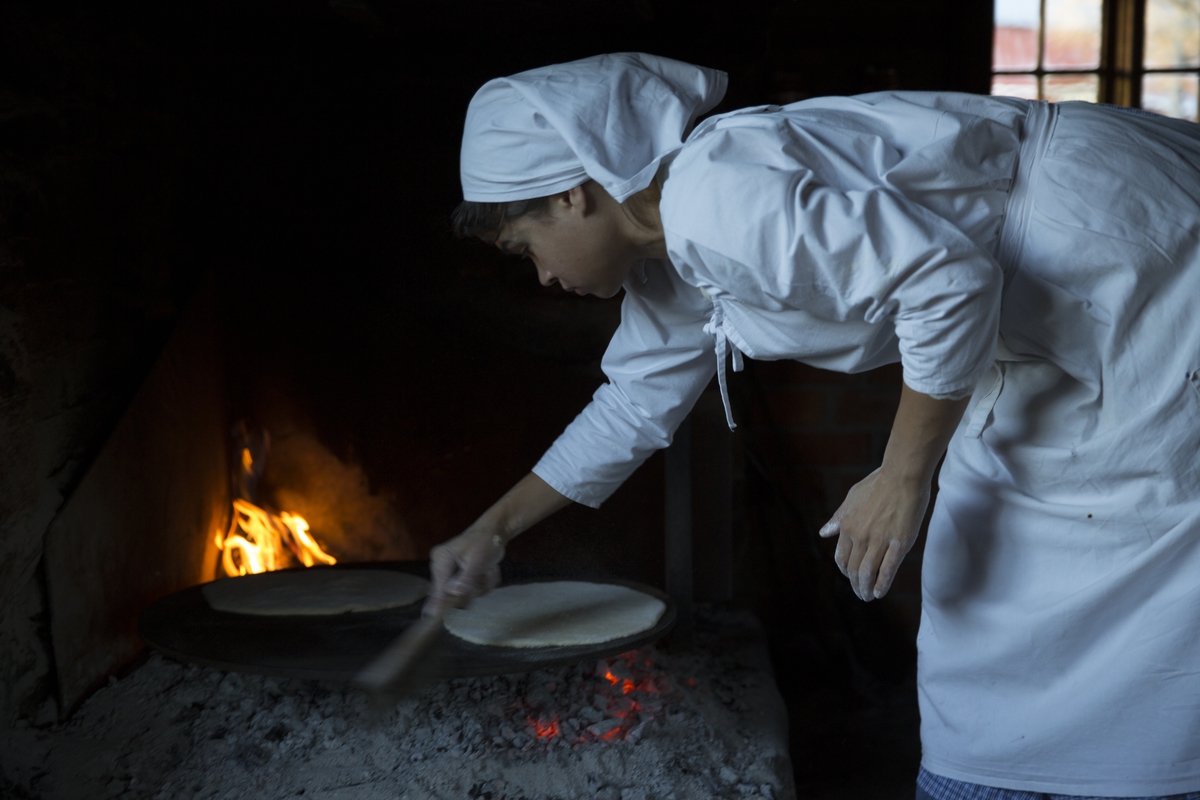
column 876, row 526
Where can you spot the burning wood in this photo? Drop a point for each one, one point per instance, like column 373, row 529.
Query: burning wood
column 259, row 540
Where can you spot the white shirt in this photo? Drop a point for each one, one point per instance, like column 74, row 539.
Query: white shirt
column 847, row 233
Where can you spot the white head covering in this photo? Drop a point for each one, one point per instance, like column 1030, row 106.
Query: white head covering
column 611, row 118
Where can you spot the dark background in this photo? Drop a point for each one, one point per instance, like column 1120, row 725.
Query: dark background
column 304, row 154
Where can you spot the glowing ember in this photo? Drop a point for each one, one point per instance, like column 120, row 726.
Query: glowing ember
column 618, row 699
column 543, row 730
column 624, row 684
column 259, row 541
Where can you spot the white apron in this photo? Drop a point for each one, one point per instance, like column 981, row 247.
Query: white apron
column 1060, row 633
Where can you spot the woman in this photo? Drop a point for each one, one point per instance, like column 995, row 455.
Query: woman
column 1033, row 269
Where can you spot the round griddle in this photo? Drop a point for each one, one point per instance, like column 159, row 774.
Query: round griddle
column 185, row 627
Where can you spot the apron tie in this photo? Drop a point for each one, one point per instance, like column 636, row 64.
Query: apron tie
column 977, row 417
column 715, row 328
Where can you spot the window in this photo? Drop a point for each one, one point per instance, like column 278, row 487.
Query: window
column 1139, row 53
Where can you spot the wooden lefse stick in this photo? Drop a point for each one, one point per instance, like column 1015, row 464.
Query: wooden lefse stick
column 395, row 665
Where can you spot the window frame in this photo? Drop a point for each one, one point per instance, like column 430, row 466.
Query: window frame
column 1122, row 43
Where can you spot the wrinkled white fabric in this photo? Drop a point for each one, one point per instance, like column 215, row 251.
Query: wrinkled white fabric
column 611, row 118
column 792, row 235
column 1060, row 637
column 829, row 232
column 657, row 364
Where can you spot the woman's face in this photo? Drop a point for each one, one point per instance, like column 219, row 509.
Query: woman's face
column 578, row 242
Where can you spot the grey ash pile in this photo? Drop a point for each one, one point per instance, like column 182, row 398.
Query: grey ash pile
column 646, row 725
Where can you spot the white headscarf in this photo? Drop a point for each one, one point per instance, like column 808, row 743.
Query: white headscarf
column 611, row 118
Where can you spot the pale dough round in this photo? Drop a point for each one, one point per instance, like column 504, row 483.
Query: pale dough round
column 314, row 592
column 555, row 614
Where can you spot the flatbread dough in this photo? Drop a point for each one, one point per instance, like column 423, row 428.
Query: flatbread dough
column 316, row 591
column 554, row 614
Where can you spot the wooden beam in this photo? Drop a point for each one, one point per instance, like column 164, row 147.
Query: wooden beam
column 141, row 523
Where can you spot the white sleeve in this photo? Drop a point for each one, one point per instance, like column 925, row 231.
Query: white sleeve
column 913, row 270
column 657, row 364
column 858, row 253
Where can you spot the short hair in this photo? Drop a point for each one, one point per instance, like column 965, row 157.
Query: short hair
column 486, row 220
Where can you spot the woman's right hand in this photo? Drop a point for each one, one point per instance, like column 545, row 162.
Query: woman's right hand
column 469, row 564
column 464, row 568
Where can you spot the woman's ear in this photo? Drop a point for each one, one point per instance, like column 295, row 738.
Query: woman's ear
column 579, row 200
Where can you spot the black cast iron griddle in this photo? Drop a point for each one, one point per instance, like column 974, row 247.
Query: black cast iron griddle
column 183, row 626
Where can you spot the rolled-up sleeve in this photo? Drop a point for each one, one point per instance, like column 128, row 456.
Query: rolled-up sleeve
column 888, row 260
column 657, row 364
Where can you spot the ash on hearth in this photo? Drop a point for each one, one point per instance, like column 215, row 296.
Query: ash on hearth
column 647, row 725
column 615, row 699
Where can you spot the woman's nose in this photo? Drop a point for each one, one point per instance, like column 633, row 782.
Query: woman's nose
column 545, row 278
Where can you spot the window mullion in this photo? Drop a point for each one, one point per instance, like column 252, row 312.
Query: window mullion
column 1121, row 57
column 1041, row 53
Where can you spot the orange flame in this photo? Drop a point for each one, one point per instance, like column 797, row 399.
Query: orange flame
column 259, row 541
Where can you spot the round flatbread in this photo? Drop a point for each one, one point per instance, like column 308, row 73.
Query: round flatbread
column 555, row 614
column 315, row 592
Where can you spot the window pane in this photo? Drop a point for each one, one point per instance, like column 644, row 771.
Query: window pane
column 1015, row 86
column 1072, row 34
column 1172, row 34
column 1014, row 43
column 1173, row 95
column 1072, row 87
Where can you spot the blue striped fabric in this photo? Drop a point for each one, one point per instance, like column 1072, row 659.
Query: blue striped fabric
column 938, row 788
